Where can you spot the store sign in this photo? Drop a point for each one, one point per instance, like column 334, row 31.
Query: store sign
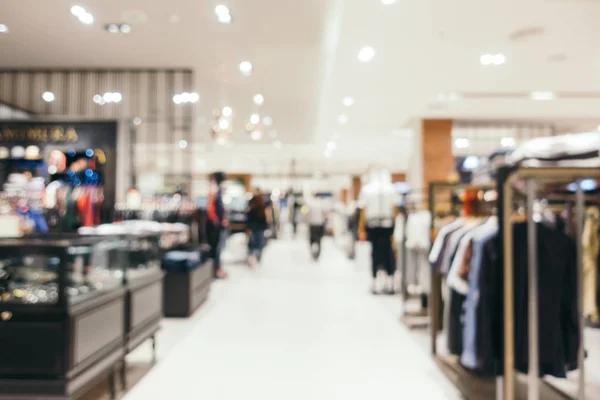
column 54, row 134
column 101, row 134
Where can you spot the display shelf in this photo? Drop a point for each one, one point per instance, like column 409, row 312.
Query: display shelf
column 185, row 291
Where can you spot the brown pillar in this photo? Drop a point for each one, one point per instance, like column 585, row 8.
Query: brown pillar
column 398, row 177
column 438, row 160
column 356, row 186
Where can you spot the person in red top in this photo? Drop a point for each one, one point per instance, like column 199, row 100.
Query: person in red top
column 216, row 224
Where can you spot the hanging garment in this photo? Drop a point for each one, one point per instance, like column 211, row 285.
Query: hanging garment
column 591, row 248
column 557, row 299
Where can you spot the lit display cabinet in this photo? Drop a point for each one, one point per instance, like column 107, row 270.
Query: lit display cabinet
column 62, row 315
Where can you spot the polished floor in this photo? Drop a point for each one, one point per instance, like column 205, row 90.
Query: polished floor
column 293, row 329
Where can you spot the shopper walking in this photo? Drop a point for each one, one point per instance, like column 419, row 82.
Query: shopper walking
column 316, row 220
column 216, row 225
column 257, row 221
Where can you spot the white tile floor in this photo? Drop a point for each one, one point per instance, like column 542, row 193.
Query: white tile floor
column 293, row 329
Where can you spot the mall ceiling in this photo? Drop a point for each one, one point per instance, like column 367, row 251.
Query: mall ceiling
column 426, row 62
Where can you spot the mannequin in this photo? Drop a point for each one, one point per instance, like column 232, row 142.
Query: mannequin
column 378, row 200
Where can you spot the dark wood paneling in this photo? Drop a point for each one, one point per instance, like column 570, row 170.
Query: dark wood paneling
column 97, row 329
column 146, row 303
column 30, row 348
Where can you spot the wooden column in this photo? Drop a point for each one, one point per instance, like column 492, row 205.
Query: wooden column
column 356, row 186
column 438, row 160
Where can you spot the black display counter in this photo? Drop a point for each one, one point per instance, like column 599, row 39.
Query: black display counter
column 186, row 290
column 62, row 318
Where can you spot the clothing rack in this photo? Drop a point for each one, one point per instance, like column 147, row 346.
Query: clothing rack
column 436, row 278
column 417, row 318
column 506, row 180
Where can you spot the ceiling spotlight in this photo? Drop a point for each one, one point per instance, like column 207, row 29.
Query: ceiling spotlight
column 223, row 123
column 98, row 99
column 256, row 135
column 255, row 119
column 87, row 19
column 125, row 28
column 194, row 97
column 227, row 111
column 542, row 96
column 183, row 144
column 137, row 121
column 48, row 97
column 112, row 28
column 348, row 101
column 177, row 99
column 267, row 121
column 492, row 59
column 221, row 10
column 246, row 68
column 342, row 119
column 259, row 99
column 78, row 11
column 366, row 54
column 461, row 143
column 224, row 19
column 3, row 28
column 388, row 2
column 508, row 142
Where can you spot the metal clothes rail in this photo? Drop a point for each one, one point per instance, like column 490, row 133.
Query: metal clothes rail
column 506, row 180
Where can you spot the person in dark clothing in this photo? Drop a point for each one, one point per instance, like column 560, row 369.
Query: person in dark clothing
column 216, row 224
column 256, row 219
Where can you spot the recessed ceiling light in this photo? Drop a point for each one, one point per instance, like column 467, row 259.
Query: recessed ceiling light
column 112, row 28
column 224, row 19
column 342, row 119
column 542, row 96
column 348, row 101
column 3, row 28
column 125, row 28
column 48, row 97
column 387, row 2
column 259, row 99
column 508, row 142
column 461, row 143
column 366, row 54
column 246, row 68
column 267, row 121
column 137, row 121
column 492, row 59
column 221, row 10
column 183, row 144
column 256, row 135
column 82, row 14
column 223, row 123
column 227, row 111
column 255, row 119
column 87, row 19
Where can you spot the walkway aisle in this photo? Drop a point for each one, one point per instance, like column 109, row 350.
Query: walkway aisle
column 295, row 330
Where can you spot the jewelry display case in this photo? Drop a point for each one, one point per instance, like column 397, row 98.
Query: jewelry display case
column 62, row 315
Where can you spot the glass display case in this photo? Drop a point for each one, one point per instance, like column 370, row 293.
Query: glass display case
column 51, row 270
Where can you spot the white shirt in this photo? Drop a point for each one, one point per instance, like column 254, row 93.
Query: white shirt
column 316, row 211
column 379, row 200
